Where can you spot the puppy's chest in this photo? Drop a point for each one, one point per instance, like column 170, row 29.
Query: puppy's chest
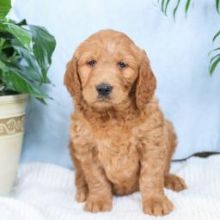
column 118, row 154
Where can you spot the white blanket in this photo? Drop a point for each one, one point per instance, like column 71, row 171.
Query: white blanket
column 46, row 192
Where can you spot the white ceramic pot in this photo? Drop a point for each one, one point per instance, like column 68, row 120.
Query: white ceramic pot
column 12, row 112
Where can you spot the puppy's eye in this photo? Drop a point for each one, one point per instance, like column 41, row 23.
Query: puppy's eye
column 122, row 65
column 91, row 63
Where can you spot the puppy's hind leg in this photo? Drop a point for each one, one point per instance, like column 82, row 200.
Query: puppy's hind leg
column 172, row 181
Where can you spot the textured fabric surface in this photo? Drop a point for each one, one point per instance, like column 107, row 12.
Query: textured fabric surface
column 46, row 192
column 178, row 51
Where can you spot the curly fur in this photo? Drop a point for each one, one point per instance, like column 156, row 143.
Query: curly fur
column 122, row 144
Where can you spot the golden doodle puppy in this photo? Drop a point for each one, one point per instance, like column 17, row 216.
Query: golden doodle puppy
column 120, row 140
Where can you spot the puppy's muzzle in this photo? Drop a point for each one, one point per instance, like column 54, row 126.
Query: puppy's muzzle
column 104, row 89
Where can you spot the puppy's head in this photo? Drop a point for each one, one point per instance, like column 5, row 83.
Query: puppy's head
column 107, row 70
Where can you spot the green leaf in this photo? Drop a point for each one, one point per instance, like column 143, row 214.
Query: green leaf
column 22, row 22
column 215, row 36
column 44, row 45
column 217, row 4
column 14, row 81
column 28, row 60
column 21, row 34
column 2, row 42
column 212, row 51
column 175, row 9
column 187, row 6
column 214, row 57
column 162, row 5
column 213, row 65
column 3, row 67
column 25, row 57
column 5, row 6
column 166, row 6
column 216, row 49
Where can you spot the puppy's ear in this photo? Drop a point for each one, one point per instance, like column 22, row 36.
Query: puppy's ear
column 71, row 78
column 146, row 82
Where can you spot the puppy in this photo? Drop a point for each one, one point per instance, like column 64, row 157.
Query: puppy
column 120, row 140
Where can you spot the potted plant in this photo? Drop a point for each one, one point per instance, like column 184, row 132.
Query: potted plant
column 25, row 57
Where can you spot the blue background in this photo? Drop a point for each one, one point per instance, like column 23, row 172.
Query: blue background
column 178, row 51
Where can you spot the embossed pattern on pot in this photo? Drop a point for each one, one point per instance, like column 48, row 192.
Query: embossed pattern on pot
column 10, row 126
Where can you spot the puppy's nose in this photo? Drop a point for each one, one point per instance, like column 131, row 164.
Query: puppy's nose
column 104, row 89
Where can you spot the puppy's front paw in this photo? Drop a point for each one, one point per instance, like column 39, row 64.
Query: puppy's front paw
column 157, row 205
column 100, row 204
